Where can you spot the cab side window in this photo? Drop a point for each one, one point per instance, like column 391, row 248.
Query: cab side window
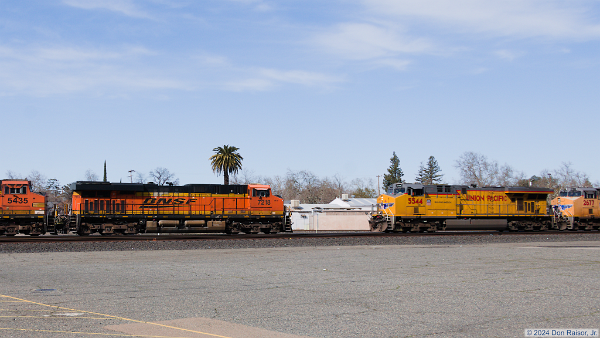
column 260, row 193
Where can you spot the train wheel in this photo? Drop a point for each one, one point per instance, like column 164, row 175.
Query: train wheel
column 83, row 230
column 378, row 225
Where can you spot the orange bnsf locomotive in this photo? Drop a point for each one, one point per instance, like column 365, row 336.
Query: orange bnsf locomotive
column 21, row 211
column 130, row 208
column 416, row 207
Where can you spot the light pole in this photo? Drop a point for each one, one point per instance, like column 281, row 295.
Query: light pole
column 131, row 175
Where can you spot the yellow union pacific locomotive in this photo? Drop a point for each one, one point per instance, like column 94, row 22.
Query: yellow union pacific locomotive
column 416, row 207
column 578, row 209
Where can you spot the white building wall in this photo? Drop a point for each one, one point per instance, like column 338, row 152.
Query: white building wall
column 333, row 221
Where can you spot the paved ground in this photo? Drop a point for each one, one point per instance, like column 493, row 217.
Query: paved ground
column 495, row 290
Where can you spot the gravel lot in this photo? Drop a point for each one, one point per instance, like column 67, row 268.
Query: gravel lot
column 460, row 286
column 493, row 237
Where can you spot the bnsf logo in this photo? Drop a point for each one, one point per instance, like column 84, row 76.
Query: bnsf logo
column 165, row 202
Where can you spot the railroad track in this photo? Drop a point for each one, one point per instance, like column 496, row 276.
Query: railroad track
column 297, row 235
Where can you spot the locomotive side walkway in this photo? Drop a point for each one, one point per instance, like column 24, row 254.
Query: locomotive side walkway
column 495, row 290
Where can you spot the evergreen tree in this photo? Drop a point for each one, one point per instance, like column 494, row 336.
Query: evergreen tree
column 394, row 174
column 430, row 173
column 105, row 180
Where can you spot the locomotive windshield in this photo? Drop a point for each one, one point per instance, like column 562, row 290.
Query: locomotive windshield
column 395, row 190
column 21, row 190
column 572, row 193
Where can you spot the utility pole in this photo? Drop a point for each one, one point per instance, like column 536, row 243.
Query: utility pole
column 378, row 193
column 131, row 175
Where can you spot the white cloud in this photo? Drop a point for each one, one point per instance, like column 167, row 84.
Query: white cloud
column 249, row 85
column 212, row 60
column 520, row 18
column 41, row 71
column 125, row 7
column 258, row 5
column 362, row 41
column 267, row 79
column 507, row 54
column 298, row 77
column 394, row 63
column 480, row 70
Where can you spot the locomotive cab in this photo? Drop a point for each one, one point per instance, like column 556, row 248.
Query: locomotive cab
column 21, row 211
column 577, row 208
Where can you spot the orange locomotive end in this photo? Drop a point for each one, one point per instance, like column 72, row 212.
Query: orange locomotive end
column 131, row 208
column 21, row 211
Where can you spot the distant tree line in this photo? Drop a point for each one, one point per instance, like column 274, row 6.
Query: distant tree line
column 475, row 170
column 307, row 187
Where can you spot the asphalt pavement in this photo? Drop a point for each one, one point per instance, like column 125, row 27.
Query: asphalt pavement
column 492, row 290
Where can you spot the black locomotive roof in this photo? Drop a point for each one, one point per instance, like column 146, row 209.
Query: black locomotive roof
column 151, row 187
column 439, row 188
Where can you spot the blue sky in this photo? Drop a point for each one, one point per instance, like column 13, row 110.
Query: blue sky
column 333, row 87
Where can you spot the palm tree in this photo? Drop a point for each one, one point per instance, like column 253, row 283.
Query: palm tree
column 226, row 161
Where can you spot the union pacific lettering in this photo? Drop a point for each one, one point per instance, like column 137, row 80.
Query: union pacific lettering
column 478, row 198
column 151, row 202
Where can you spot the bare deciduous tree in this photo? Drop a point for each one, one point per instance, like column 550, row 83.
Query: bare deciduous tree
column 11, row 175
column 246, row 176
column 162, row 176
column 139, row 178
column 90, row 175
column 476, row 169
column 569, row 178
column 39, row 182
column 362, row 188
